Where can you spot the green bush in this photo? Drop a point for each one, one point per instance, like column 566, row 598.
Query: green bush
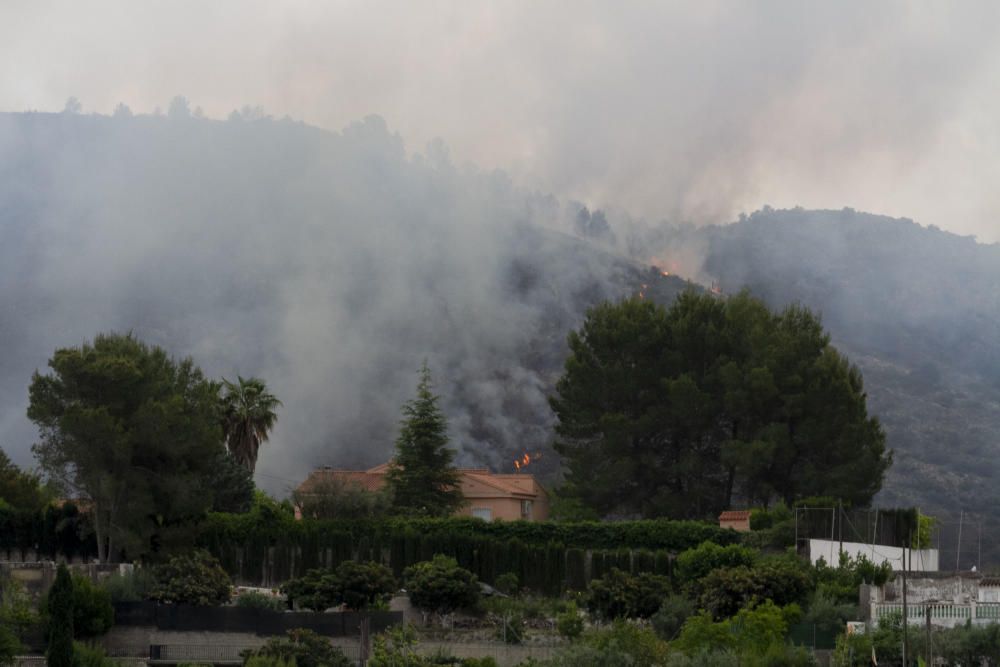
column 569, row 623
column 9, row 645
column 638, row 643
column 695, row 563
column 440, row 585
column 782, row 580
column 353, row 584
column 751, row 631
column 507, row 583
column 258, row 600
column 17, row 611
column 670, row 617
column 131, row 586
column 93, row 613
column 90, row 656
column 301, row 648
column 195, row 578
column 317, row 590
column 622, row 595
column 268, row 661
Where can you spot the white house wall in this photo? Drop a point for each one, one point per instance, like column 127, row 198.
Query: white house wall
column 920, row 560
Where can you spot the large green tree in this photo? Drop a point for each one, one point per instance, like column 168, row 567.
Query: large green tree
column 132, row 432
column 682, row 411
column 19, row 488
column 248, row 417
column 422, row 476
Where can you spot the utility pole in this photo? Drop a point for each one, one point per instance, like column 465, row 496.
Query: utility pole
column 906, row 613
column 958, row 551
column 840, row 527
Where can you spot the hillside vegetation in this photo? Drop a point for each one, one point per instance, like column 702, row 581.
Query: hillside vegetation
column 917, row 308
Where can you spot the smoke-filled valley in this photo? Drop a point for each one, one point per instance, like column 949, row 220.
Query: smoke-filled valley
column 332, row 264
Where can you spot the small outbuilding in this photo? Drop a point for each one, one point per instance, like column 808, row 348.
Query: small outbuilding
column 738, row 520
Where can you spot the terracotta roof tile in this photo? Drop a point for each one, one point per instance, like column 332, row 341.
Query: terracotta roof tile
column 734, row 515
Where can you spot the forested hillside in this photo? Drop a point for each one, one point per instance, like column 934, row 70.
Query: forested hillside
column 918, row 309
column 331, row 264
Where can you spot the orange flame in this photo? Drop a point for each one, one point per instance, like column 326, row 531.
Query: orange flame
column 525, row 459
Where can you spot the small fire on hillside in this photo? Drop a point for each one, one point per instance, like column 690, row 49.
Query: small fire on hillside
column 525, row 460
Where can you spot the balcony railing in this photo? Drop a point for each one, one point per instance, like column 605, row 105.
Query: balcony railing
column 950, row 613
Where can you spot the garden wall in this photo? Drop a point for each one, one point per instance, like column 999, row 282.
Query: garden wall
column 259, row 622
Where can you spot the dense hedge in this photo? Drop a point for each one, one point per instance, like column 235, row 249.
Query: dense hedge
column 645, row 534
column 545, row 556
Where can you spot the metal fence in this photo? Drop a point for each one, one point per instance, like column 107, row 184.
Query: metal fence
column 812, row 636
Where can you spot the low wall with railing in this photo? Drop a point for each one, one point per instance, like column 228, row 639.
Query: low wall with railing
column 941, row 614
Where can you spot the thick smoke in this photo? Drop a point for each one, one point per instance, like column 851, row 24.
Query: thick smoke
column 330, row 264
column 693, row 111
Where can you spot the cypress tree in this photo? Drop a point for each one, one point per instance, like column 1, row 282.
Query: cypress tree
column 60, row 608
column 422, row 476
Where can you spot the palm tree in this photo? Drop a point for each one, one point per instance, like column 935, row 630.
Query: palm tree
column 247, row 417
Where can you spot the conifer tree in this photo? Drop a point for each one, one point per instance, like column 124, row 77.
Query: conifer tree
column 422, row 476
column 60, row 608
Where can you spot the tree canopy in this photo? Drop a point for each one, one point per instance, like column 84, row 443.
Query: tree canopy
column 18, row 488
column 132, row 432
column 248, row 417
column 422, row 477
column 679, row 412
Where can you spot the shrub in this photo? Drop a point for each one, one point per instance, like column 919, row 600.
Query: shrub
column 841, row 583
column 639, row 643
column 621, row 595
column 782, row 580
column 9, row 645
column 670, row 618
column 195, row 578
column 93, row 613
column 507, row 583
column 356, row 585
column 364, row 585
column 511, row 629
column 694, row 564
column 317, row 590
column 396, row 647
column 90, row 656
column 268, row 661
column 59, row 606
column 440, row 585
column 752, row 631
column 131, row 586
column 17, row 611
column 301, row 648
column 258, row 600
column 569, row 623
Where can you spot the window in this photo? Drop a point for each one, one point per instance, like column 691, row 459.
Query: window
column 484, row 513
column 525, row 509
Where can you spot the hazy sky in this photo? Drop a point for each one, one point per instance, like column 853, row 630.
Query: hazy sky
column 692, row 111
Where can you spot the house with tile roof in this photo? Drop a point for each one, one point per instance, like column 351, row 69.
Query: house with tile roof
column 488, row 496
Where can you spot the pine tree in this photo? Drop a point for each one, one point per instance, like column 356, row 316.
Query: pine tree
column 422, row 477
column 60, row 608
